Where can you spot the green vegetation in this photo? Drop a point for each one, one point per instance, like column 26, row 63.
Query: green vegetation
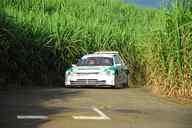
column 42, row 37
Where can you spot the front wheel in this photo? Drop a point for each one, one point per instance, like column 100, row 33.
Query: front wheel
column 67, row 86
column 117, row 84
column 125, row 85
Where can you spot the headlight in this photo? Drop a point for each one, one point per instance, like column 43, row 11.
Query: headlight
column 108, row 72
column 68, row 73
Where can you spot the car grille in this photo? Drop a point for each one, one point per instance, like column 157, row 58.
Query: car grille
column 88, row 82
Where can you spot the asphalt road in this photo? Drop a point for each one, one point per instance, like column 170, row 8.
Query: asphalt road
column 101, row 108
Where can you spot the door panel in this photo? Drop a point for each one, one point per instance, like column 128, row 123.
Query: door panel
column 122, row 70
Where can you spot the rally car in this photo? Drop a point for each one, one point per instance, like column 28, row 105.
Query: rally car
column 98, row 69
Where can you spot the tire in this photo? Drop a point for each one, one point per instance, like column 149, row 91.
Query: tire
column 125, row 85
column 113, row 87
column 117, row 86
column 67, row 86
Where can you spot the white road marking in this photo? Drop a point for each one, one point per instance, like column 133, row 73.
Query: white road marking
column 100, row 113
column 89, row 118
column 23, row 117
column 101, row 116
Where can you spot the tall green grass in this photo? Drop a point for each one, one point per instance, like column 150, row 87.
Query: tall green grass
column 171, row 59
column 156, row 43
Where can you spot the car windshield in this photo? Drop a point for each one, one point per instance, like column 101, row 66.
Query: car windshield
column 96, row 61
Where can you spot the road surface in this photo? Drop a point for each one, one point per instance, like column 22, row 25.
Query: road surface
column 90, row 108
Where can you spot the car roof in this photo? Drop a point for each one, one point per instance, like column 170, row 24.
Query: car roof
column 107, row 52
column 98, row 55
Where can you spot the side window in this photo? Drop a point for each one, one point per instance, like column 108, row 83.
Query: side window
column 120, row 60
column 116, row 59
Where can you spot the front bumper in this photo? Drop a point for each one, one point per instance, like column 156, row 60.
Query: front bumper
column 91, row 79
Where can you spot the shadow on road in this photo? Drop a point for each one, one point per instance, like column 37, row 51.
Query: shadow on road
column 30, row 102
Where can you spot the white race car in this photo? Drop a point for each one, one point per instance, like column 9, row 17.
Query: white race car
column 98, row 69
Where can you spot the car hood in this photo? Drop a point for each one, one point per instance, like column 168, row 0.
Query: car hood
column 90, row 69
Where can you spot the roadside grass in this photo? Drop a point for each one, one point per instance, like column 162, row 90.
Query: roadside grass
column 172, row 74
column 155, row 43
